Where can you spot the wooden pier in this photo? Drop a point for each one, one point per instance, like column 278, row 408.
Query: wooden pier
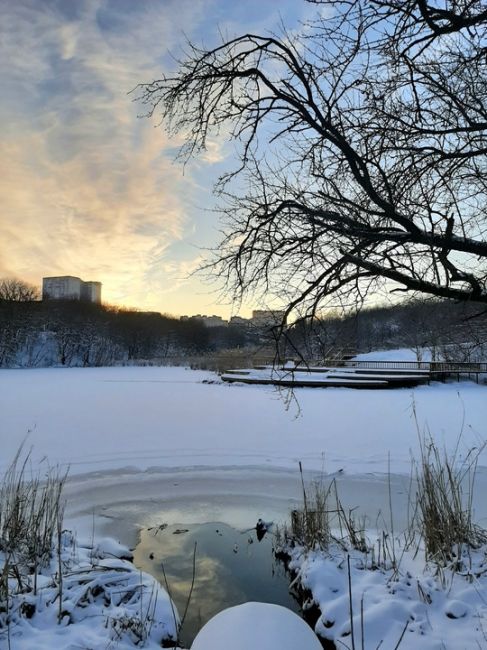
column 358, row 374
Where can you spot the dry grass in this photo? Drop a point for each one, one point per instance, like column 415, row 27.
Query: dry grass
column 323, row 511
column 311, row 525
column 33, row 543
column 442, row 514
column 31, row 513
column 444, row 503
column 441, row 501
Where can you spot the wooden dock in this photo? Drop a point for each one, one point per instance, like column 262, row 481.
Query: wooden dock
column 357, row 374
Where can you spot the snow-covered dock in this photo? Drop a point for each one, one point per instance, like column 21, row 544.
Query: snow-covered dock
column 347, row 377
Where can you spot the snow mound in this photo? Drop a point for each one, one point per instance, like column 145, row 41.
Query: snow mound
column 418, row 607
column 106, row 603
column 108, row 547
column 256, row 625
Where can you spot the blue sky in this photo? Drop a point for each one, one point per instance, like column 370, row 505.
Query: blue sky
column 86, row 187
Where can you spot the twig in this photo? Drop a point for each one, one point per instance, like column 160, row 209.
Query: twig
column 350, row 602
column 166, row 583
column 192, row 586
column 362, row 627
column 402, row 635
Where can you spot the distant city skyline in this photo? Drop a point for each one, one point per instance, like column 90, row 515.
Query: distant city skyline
column 87, row 188
column 70, row 287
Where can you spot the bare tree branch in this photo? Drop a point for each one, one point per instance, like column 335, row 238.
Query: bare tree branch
column 362, row 144
column 12, row 290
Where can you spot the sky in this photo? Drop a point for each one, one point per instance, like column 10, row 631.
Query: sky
column 87, row 186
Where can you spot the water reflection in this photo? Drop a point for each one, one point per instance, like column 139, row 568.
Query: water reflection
column 232, row 567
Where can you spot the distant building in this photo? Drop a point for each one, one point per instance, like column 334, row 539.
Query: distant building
column 238, row 321
column 91, row 291
column 261, row 318
column 69, row 287
column 214, row 321
column 266, row 317
column 208, row 321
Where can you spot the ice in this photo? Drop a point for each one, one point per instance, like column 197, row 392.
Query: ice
column 132, row 419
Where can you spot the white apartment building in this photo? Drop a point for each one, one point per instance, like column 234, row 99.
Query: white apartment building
column 69, row 287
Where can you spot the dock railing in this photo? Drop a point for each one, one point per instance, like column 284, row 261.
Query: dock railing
column 439, row 370
column 432, row 366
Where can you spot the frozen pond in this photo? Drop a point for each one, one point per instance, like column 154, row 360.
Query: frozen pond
column 161, row 515
column 100, row 419
column 144, row 509
column 147, row 446
column 121, row 504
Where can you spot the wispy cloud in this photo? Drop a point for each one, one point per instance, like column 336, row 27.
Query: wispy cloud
column 87, row 188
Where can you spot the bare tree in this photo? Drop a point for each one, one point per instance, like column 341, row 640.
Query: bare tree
column 12, row 290
column 361, row 146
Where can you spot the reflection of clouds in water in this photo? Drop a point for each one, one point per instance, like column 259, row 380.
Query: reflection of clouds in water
column 213, row 587
column 211, row 591
column 230, row 570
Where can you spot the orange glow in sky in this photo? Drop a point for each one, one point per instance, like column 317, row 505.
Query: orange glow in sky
column 87, row 188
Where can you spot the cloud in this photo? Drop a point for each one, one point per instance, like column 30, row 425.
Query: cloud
column 87, row 188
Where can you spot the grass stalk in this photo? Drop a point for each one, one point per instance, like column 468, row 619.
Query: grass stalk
column 350, row 602
column 444, row 503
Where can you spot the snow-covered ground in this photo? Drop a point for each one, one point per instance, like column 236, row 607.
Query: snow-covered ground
column 98, row 419
column 105, row 603
column 142, row 440
column 415, row 608
column 401, row 354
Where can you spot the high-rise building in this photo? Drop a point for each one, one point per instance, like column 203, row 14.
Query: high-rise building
column 69, row 287
column 91, row 291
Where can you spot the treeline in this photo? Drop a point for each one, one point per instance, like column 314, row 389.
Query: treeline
column 35, row 333
column 73, row 333
column 440, row 328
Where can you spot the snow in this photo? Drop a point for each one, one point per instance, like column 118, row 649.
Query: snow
column 400, row 354
column 100, row 419
column 106, row 603
column 256, row 625
column 109, row 547
column 145, row 440
column 432, row 610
